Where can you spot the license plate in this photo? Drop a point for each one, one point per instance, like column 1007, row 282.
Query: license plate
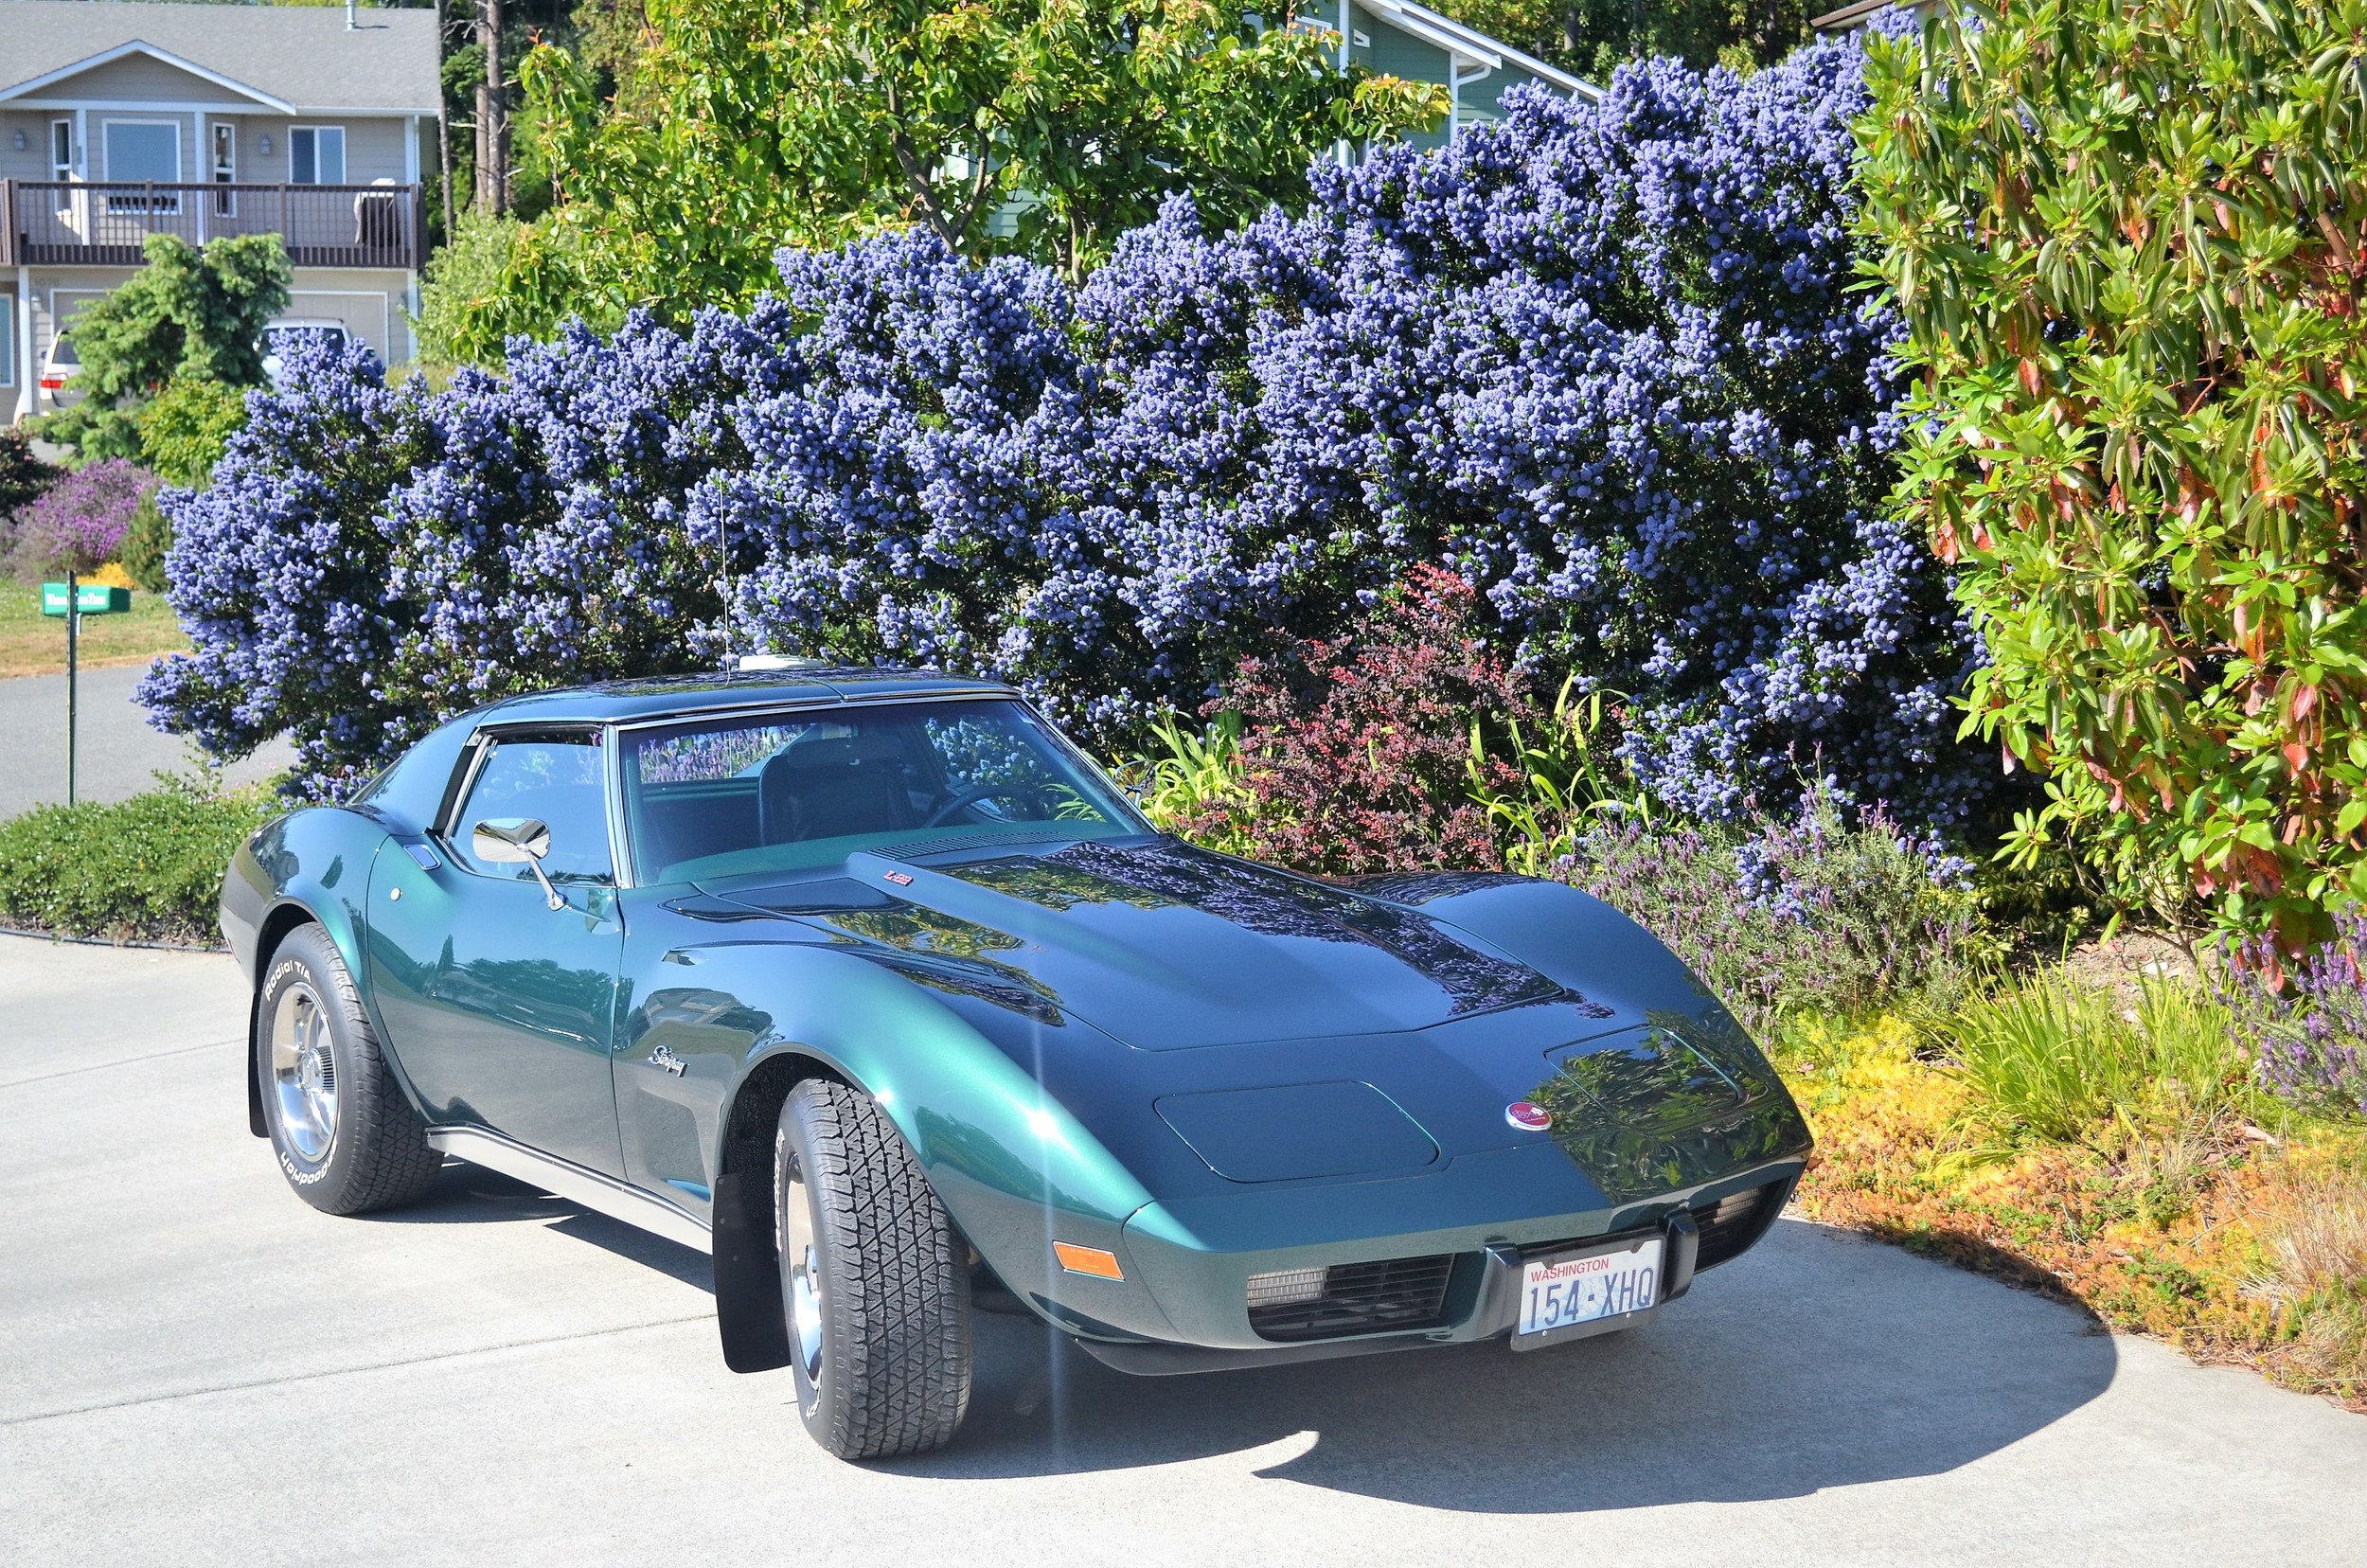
column 1565, row 1291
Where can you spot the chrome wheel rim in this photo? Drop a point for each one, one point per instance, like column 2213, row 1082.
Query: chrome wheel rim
column 802, row 1272
column 304, row 1074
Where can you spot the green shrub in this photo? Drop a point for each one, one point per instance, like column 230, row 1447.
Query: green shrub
column 473, row 294
column 149, row 869
column 1191, row 783
column 146, row 542
column 184, row 428
column 188, row 314
column 1564, row 779
column 2126, row 239
column 2050, row 1059
column 22, row 477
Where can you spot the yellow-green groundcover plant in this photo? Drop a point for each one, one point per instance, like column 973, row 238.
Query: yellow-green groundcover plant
column 2126, row 239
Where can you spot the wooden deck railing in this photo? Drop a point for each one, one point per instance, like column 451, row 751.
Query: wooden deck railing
column 52, row 223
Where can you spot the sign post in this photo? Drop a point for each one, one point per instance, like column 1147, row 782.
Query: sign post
column 73, row 600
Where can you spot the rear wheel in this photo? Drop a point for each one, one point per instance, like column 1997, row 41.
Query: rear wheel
column 874, row 1281
column 346, row 1138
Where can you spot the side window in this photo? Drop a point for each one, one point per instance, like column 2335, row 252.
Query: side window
column 558, row 780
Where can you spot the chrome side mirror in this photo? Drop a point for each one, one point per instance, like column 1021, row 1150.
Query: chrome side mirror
column 517, row 841
column 510, row 841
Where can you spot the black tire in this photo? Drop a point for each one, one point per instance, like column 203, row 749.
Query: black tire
column 881, row 1350
column 358, row 1146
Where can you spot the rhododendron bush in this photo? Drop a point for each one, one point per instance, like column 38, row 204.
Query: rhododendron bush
column 2127, row 240
column 1602, row 363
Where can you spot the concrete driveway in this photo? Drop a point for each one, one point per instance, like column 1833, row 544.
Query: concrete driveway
column 195, row 1367
column 117, row 754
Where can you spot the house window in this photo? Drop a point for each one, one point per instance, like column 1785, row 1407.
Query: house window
column 316, row 154
column 8, row 340
column 139, row 152
column 225, row 167
column 62, row 149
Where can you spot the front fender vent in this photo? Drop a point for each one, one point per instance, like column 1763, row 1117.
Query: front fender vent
column 1293, row 1305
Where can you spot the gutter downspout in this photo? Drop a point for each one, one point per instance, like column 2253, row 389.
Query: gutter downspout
column 29, row 374
column 1342, row 152
column 1456, row 81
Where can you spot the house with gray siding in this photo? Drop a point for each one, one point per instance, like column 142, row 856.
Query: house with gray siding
column 120, row 120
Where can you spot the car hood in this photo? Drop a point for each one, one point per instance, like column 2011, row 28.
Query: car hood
column 1162, row 945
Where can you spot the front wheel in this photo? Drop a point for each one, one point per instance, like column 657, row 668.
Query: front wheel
column 874, row 1281
column 346, row 1138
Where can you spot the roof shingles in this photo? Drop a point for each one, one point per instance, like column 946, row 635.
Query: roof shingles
column 300, row 54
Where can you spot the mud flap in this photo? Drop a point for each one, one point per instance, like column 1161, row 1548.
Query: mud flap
column 254, row 1122
column 748, row 1309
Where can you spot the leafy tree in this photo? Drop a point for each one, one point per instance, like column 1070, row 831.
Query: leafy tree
column 2126, row 239
column 475, row 292
column 188, row 315
column 1040, row 127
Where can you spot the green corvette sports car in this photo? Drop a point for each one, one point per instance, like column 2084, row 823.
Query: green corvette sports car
column 871, row 986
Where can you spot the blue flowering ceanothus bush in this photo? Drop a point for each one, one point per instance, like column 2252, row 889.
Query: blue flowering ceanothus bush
column 1604, row 362
column 371, row 559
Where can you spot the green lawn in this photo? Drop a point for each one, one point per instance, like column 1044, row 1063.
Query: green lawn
column 32, row 644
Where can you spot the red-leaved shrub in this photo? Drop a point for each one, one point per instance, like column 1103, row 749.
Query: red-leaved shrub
column 1359, row 751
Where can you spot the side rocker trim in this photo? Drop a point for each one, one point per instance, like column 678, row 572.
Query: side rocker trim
column 601, row 1193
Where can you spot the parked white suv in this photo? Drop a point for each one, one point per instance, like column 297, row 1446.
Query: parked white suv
column 275, row 338
column 58, row 370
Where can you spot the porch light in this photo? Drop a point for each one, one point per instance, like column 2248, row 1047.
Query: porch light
column 19, row 139
column 263, row 147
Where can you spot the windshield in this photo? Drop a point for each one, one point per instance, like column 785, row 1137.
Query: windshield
column 807, row 787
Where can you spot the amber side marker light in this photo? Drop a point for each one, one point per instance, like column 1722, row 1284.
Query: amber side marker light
column 1088, row 1260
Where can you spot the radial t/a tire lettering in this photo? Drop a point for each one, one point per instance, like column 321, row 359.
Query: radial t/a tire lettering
column 874, row 1281
column 345, row 1137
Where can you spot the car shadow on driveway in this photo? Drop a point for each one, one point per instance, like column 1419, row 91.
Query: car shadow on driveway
column 1820, row 1359
column 471, row 1195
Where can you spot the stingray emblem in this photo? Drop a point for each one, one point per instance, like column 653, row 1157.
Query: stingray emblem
column 1527, row 1117
column 665, row 1061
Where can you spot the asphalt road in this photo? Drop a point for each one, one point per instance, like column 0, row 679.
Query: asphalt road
column 195, row 1368
column 117, row 754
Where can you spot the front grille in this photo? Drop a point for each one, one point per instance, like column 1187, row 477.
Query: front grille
column 1733, row 1224
column 1350, row 1298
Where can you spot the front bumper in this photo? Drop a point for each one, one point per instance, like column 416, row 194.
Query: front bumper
column 1195, row 1266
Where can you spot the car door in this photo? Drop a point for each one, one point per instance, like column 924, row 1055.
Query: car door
column 500, row 1009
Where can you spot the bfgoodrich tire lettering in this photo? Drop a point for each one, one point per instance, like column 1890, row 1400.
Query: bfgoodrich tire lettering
column 345, row 1137
column 873, row 1279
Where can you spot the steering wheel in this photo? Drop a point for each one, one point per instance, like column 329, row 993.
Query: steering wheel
column 962, row 799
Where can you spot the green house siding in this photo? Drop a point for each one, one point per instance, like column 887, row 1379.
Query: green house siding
column 1393, row 53
column 1482, row 100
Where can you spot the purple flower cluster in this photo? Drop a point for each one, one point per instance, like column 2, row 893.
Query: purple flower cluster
column 1605, row 362
column 77, row 523
column 2306, row 1022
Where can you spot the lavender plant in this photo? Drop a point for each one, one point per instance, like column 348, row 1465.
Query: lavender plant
column 1830, row 906
column 79, row 523
column 2306, row 1021
column 1602, row 362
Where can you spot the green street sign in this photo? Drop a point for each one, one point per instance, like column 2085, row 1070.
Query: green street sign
column 89, row 598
